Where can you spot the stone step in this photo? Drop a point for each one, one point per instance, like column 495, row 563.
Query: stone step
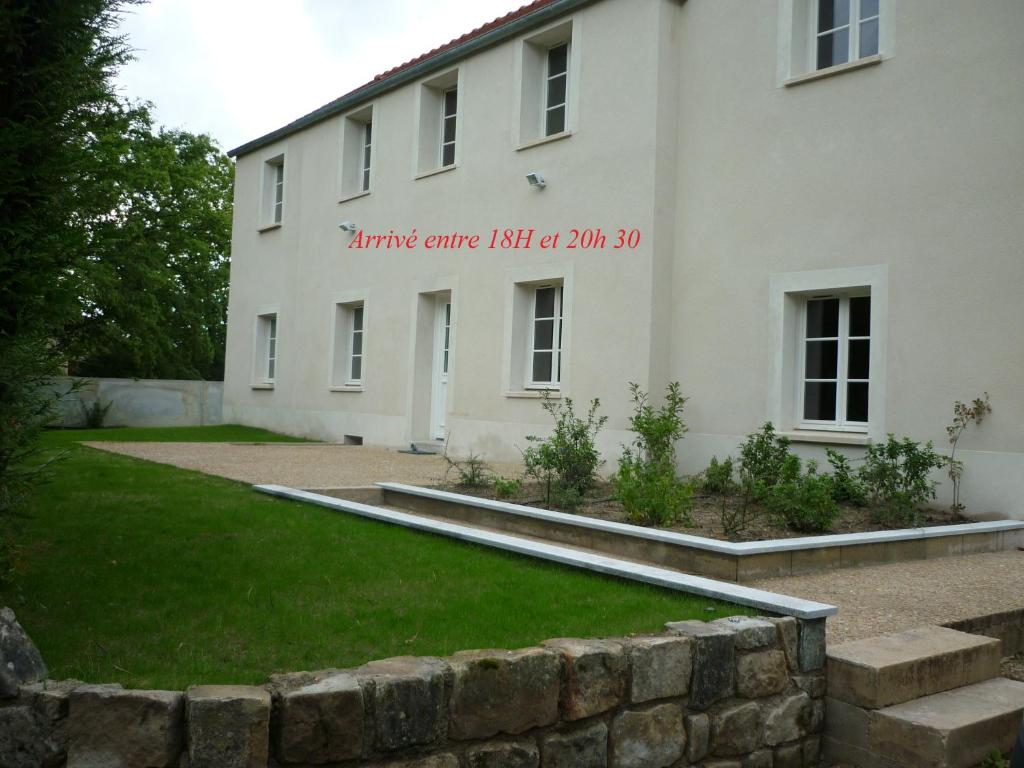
column 890, row 669
column 953, row 729
column 425, row 446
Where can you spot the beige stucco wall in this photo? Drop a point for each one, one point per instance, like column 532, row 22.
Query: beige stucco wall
column 909, row 168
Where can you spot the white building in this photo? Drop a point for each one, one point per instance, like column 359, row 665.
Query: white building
column 821, row 205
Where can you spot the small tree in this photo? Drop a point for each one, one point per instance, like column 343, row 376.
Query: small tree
column 566, row 462
column 963, row 415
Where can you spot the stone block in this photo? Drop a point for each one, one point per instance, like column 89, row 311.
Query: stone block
column 788, row 637
column 765, row 565
column 943, row 546
column 722, row 764
column 594, row 677
column 114, row 728
column 817, row 559
column 789, row 756
column 409, row 700
column 647, row 738
column 503, row 754
column 787, row 719
column 811, row 644
column 228, row 726
column 503, row 692
column 881, row 671
column 852, row 555
column 20, row 661
column 736, row 728
column 661, row 667
column 50, row 697
column 749, row 633
column 698, row 736
column 847, row 723
column 713, row 661
column 320, row 722
column 761, row 673
column 29, row 739
column 444, row 760
column 762, row 758
column 812, row 751
column 813, row 685
column 585, row 747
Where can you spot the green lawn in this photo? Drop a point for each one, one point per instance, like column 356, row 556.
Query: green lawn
column 222, row 433
column 154, row 576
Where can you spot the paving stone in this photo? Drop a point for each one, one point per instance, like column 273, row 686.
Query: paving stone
column 503, row 754
column 594, row 679
column 409, row 700
column 787, row 719
column 698, row 736
column 585, row 747
column 881, row 671
column 320, row 722
column 647, row 738
column 503, row 692
column 811, row 644
column 113, row 728
column 761, row 673
column 788, row 634
column 29, row 739
column 20, row 661
column 736, row 728
column 661, row 667
column 749, row 632
column 228, row 726
column 713, row 661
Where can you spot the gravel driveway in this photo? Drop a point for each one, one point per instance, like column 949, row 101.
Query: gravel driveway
column 299, row 465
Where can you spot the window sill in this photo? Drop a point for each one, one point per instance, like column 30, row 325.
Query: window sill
column 263, row 386
column 354, row 196
column 534, row 394
column 435, row 171
column 838, row 69
column 346, row 388
column 545, row 140
column 268, row 227
column 827, row 437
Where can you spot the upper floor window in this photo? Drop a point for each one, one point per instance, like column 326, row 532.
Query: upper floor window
column 273, row 192
column 364, row 180
column 835, row 368
column 449, row 100
column 357, row 153
column 556, row 89
column 845, row 30
column 437, row 123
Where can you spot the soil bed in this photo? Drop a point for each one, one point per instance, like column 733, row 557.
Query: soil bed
column 706, row 514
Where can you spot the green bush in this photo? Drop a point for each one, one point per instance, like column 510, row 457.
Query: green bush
column 804, row 502
column 717, row 478
column 568, row 458
column 646, row 483
column 845, row 485
column 765, row 459
column 504, row 487
column 472, row 472
column 896, row 474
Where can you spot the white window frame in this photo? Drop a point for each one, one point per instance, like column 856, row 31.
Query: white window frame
column 353, row 332
column 454, row 117
column 341, row 337
column 366, row 157
column 272, row 196
column 357, row 153
column 548, row 77
column 266, row 348
column 853, row 24
column 840, row 423
column 556, row 350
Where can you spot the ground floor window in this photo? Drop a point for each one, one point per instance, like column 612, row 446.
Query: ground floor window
column 266, row 348
column 835, row 361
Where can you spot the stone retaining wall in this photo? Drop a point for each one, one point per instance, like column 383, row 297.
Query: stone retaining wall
column 1007, row 626
column 733, row 693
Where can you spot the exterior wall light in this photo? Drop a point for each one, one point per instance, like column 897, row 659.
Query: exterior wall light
column 536, row 180
column 347, row 226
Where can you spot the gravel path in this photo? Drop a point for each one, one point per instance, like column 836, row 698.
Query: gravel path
column 296, row 464
column 872, row 600
column 875, row 600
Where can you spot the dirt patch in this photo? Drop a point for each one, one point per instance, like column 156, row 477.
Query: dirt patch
column 705, row 514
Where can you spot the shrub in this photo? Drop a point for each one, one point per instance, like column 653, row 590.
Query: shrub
column 646, row 483
column 94, row 414
column 804, row 502
column 763, row 459
column 717, row 478
column 472, row 472
column 506, row 487
column 845, row 485
column 963, row 415
column 568, row 458
column 896, row 474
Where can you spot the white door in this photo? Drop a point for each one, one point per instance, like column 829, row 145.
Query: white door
column 442, row 343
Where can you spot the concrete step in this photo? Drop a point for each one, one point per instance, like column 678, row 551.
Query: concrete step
column 425, row 446
column 890, row 669
column 953, row 729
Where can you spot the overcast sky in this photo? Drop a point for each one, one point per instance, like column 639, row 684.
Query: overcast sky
column 237, row 69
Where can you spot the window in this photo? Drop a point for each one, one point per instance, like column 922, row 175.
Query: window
column 556, row 89
column 545, row 357
column 357, row 155
column 438, row 122
column 265, row 369
column 845, row 30
column 836, row 355
column 548, row 86
column 349, row 345
column 273, row 192
column 449, row 100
